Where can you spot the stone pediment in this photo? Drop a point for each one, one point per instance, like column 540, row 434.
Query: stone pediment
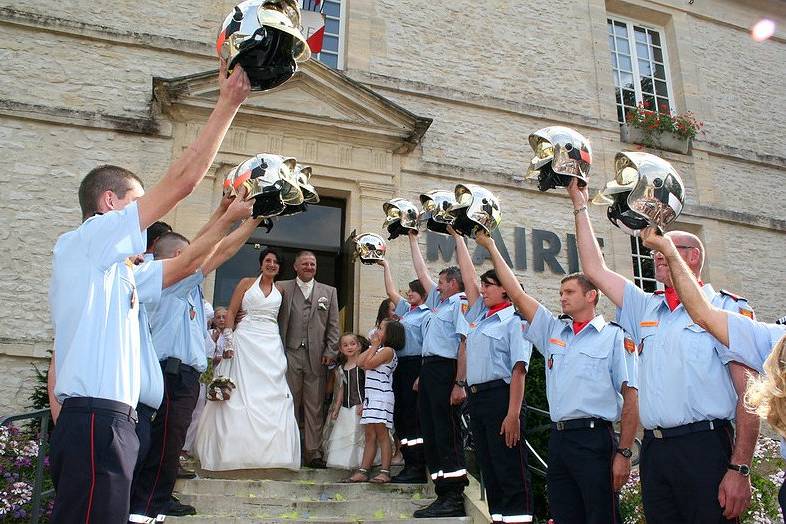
column 317, row 99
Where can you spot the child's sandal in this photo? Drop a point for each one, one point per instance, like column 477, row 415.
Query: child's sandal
column 361, row 475
column 383, row 477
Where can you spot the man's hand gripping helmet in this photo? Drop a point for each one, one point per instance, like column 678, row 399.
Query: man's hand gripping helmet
column 436, row 210
column 476, row 208
column 369, row 248
column 401, row 217
column 264, row 37
column 269, row 180
column 646, row 191
column 561, row 154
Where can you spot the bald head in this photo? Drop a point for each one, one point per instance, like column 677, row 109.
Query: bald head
column 691, row 249
column 169, row 245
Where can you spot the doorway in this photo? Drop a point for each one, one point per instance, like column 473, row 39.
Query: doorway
column 320, row 230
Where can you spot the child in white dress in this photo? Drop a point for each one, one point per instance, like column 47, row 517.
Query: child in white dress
column 344, row 446
column 379, row 361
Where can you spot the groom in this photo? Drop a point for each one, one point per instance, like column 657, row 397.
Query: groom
column 308, row 321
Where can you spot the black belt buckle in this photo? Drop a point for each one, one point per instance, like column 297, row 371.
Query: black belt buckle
column 172, row 366
column 473, row 389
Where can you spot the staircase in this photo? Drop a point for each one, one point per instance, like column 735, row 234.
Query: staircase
column 309, row 495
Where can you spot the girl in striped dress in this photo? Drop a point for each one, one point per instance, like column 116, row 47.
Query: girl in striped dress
column 379, row 361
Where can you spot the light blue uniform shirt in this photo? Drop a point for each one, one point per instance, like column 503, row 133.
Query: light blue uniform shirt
column 412, row 319
column 683, row 375
column 494, row 344
column 585, row 371
column 445, row 325
column 95, row 308
column 149, row 279
column 178, row 323
column 751, row 341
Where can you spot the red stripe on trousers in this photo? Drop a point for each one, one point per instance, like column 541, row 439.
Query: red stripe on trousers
column 92, row 467
column 613, row 456
column 161, row 459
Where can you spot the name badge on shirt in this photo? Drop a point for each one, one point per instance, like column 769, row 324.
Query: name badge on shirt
column 648, row 323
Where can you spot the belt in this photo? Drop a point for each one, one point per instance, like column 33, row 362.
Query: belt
column 686, row 429
column 494, row 384
column 408, row 358
column 100, row 403
column 434, row 358
column 580, row 423
column 145, row 412
column 182, row 368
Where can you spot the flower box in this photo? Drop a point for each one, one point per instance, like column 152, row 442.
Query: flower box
column 663, row 141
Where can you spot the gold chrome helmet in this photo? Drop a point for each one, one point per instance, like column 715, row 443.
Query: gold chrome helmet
column 264, row 37
column 476, row 208
column 269, row 180
column 370, row 248
column 561, row 154
column 303, row 177
column 401, row 217
column 646, row 191
column 436, row 210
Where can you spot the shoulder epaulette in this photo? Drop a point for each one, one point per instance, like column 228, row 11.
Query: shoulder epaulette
column 565, row 317
column 659, row 292
column 781, row 321
column 462, row 297
column 611, row 322
column 518, row 314
column 731, row 295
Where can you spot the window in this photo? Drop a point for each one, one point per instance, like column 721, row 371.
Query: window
column 331, row 43
column 639, row 66
column 643, row 266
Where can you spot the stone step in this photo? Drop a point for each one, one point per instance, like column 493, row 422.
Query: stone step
column 305, row 474
column 302, row 489
column 376, row 507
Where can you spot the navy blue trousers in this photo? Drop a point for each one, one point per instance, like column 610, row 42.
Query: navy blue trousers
column 92, row 454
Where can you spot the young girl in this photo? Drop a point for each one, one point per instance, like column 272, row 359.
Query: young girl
column 344, row 446
column 379, row 361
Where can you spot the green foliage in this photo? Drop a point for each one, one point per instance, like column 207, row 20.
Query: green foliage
column 39, row 397
column 655, row 122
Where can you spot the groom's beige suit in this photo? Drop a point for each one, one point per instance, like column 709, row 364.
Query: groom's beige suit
column 309, row 330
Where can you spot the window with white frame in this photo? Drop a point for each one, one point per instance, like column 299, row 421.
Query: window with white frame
column 331, row 42
column 643, row 266
column 640, row 67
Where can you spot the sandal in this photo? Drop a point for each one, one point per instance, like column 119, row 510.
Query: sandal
column 361, row 475
column 383, row 477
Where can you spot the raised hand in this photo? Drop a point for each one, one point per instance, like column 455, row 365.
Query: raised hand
column 235, row 88
column 579, row 195
column 483, row 239
column 652, row 239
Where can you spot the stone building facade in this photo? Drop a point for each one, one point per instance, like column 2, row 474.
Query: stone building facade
column 424, row 95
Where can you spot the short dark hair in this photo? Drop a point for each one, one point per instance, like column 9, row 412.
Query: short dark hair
column 490, row 276
column 417, row 287
column 586, row 284
column 453, row 273
column 155, row 231
column 395, row 336
column 341, row 358
column 167, row 244
column 269, row 251
column 100, row 179
column 382, row 311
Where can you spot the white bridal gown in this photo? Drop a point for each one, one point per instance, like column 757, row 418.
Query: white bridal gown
column 256, row 427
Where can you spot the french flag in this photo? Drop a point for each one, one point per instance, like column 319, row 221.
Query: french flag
column 313, row 21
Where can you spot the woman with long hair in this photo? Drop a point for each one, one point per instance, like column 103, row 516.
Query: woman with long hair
column 256, row 426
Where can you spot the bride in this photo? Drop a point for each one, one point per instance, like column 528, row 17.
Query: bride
column 256, row 427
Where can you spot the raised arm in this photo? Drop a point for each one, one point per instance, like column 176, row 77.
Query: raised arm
column 610, row 283
column 177, row 268
column 390, row 286
column 216, row 215
column 373, row 358
column 420, row 265
column 187, row 172
column 526, row 305
column 468, row 273
column 699, row 308
column 230, row 245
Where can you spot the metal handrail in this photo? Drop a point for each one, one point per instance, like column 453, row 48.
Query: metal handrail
column 43, row 437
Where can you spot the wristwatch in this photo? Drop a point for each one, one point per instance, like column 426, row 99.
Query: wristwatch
column 742, row 469
column 461, row 383
column 625, row 452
